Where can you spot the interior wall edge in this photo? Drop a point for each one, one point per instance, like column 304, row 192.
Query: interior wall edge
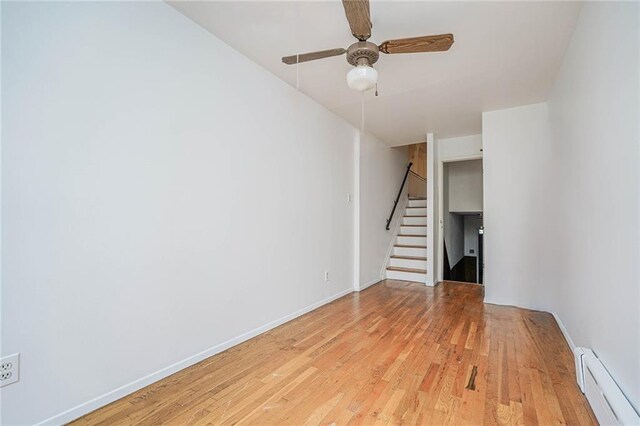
column 510, row 303
column 565, row 332
column 369, row 284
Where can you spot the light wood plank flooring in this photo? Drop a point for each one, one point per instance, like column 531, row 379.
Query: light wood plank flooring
column 398, row 352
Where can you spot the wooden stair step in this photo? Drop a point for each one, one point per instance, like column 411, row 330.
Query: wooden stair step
column 409, row 246
column 408, row 257
column 399, row 269
column 415, row 215
column 415, row 225
column 417, row 198
column 410, row 235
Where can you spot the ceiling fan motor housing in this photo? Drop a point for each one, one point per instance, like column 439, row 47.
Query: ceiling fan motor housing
column 362, row 53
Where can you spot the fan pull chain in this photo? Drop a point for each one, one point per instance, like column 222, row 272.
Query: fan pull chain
column 362, row 116
column 376, row 89
column 295, row 31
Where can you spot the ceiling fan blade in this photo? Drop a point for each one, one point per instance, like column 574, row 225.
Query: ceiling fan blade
column 306, row 57
column 432, row 43
column 359, row 18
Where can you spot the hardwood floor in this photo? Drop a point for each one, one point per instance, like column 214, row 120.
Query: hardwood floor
column 397, row 352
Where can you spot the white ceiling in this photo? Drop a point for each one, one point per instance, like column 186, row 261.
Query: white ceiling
column 505, row 54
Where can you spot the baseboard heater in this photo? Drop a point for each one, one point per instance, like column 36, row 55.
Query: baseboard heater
column 607, row 401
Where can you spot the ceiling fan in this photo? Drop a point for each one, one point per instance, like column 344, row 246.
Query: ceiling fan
column 363, row 54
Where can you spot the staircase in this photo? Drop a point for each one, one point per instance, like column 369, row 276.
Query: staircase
column 408, row 260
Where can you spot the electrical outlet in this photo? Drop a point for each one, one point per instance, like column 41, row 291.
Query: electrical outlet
column 348, row 198
column 472, row 251
column 9, row 369
column 326, row 276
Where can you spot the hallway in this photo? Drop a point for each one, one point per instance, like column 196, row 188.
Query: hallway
column 398, row 352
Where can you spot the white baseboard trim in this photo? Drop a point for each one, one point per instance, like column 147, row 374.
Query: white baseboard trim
column 495, row 301
column 563, row 329
column 607, row 400
column 122, row 391
column 620, row 401
column 370, row 283
column 565, row 333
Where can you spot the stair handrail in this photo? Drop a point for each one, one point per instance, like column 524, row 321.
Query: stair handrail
column 417, row 176
column 395, row 203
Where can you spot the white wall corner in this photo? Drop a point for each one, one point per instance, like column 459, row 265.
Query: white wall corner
column 380, row 172
column 565, row 333
column 355, row 199
column 369, row 284
column 432, row 154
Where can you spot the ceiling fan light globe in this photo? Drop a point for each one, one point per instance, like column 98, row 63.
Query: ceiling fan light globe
column 362, row 78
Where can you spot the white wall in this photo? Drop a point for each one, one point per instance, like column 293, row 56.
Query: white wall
column 381, row 171
column 460, row 147
column 471, row 226
column 130, row 135
column 433, row 213
column 552, row 172
column 595, row 115
column 454, row 238
column 518, row 206
column 453, row 223
column 465, row 186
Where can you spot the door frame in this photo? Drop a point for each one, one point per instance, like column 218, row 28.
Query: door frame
column 440, row 257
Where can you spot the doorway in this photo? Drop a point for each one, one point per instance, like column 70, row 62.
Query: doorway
column 462, row 221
